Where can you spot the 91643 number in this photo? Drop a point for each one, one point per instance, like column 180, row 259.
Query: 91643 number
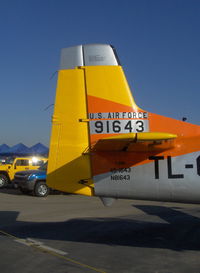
column 118, row 126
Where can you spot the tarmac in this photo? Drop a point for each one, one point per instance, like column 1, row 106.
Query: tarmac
column 67, row 233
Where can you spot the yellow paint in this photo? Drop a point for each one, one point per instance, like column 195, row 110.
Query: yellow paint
column 112, row 84
column 68, row 164
column 69, row 167
column 153, row 136
column 119, row 142
column 147, row 136
column 76, row 157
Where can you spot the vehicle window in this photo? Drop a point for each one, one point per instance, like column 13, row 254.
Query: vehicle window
column 43, row 167
column 22, row 162
column 38, row 163
column 9, row 160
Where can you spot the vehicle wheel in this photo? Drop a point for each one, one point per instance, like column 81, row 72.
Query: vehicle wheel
column 15, row 186
column 3, row 180
column 23, row 190
column 41, row 189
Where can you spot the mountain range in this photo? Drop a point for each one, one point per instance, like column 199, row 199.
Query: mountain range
column 21, row 149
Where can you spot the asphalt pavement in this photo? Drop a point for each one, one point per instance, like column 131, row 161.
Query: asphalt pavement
column 66, row 233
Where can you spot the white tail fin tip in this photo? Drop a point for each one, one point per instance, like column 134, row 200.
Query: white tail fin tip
column 88, row 55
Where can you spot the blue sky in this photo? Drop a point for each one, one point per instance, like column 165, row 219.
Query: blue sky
column 158, row 43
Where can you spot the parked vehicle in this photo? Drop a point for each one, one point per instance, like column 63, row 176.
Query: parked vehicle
column 33, row 181
column 2, row 161
column 16, row 164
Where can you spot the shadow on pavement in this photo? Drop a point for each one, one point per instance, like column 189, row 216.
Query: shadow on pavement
column 181, row 231
column 10, row 190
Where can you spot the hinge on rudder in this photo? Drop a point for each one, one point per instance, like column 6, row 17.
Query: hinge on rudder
column 55, row 119
column 85, row 183
column 83, row 120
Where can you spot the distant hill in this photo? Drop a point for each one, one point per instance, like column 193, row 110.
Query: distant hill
column 4, row 148
column 21, row 149
column 39, row 149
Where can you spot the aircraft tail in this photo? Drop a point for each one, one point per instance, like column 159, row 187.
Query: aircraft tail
column 94, row 112
column 93, row 101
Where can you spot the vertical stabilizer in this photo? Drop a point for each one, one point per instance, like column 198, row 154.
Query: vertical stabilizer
column 93, row 101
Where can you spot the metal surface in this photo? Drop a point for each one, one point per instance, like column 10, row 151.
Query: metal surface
column 71, row 57
column 99, row 54
column 141, row 183
column 92, row 152
column 87, row 55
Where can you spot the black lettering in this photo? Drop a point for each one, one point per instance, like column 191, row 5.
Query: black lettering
column 129, row 115
column 134, row 115
column 128, row 126
column 107, row 126
column 156, row 161
column 188, row 166
column 124, row 114
column 145, row 115
column 140, row 126
column 140, row 115
column 116, row 127
column 169, row 166
column 120, row 177
column 99, row 127
column 91, row 115
column 117, row 115
column 99, row 115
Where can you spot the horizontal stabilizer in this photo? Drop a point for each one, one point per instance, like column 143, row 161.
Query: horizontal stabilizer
column 139, row 141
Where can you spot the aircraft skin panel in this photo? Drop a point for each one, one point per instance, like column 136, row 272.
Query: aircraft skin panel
column 140, row 158
column 98, row 105
column 67, row 163
column 103, row 144
column 187, row 141
column 183, row 129
column 176, row 179
column 109, row 112
column 99, row 55
column 88, row 55
column 113, row 79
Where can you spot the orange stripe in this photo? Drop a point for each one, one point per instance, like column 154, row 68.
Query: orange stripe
column 99, row 105
column 188, row 141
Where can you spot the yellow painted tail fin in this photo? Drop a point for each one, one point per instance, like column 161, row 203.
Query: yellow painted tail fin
column 93, row 101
